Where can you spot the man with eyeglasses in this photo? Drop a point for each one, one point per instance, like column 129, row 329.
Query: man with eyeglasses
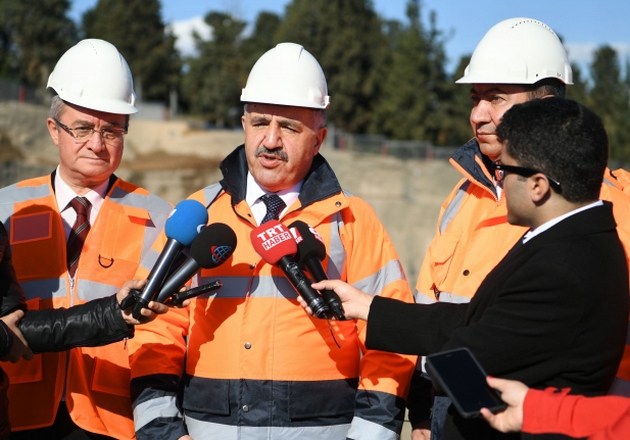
column 76, row 235
column 519, row 59
column 554, row 311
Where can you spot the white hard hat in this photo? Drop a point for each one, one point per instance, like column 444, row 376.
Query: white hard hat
column 287, row 75
column 94, row 75
column 518, row 51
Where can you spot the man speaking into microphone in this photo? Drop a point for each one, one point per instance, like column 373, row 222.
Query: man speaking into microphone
column 250, row 361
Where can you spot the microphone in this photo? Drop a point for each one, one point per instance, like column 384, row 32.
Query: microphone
column 275, row 244
column 211, row 248
column 311, row 252
column 184, row 223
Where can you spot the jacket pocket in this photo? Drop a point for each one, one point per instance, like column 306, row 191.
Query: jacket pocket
column 441, row 254
column 333, row 398
column 111, row 374
column 197, row 392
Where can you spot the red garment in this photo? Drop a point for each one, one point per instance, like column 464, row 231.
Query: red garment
column 556, row 411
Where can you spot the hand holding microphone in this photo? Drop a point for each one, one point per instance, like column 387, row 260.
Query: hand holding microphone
column 184, row 223
column 275, row 244
column 311, row 252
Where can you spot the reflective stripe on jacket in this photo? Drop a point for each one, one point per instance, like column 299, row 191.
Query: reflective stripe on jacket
column 257, row 365
column 473, row 236
column 96, row 379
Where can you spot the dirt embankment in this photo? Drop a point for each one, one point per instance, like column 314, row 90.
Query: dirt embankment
column 173, row 160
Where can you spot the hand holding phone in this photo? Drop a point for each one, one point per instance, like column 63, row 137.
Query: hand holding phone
column 460, row 376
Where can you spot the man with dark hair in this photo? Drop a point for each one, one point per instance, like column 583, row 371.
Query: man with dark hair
column 554, row 311
column 519, row 59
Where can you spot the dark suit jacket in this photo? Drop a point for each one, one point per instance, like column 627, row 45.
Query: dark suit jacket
column 553, row 312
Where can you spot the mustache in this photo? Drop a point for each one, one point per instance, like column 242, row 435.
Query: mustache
column 280, row 154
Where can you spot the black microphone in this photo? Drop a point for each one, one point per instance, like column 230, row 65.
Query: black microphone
column 311, row 252
column 182, row 226
column 275, row 244
column 211, row 248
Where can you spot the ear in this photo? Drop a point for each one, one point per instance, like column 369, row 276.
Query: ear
column 243, row 121
column 320, row 136
column 539, row 188
column 53, row 130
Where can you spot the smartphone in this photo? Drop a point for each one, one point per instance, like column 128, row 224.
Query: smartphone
column 460, row 376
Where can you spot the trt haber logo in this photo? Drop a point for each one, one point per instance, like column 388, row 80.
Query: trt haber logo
column 273, row 236
column 220, row 254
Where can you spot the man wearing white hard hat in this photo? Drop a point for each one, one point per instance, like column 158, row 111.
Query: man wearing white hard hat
column 519, row 59
column 251, row 362
column 76, row 235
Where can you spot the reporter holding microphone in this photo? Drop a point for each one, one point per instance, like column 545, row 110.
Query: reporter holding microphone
column 251, row 362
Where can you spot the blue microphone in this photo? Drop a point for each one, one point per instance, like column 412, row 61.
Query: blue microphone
column 184, row 223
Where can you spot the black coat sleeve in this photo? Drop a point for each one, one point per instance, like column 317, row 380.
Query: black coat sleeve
column 95, row 323
column 406, row 328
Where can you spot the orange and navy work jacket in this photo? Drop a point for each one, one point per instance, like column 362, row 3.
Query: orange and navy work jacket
column 473, row 235
column 250, row 361
column 118, row 248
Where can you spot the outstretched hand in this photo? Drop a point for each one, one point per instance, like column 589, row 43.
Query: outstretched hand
column 513, row 393
column 19, row 347
column 147, row 314
column 356, row 304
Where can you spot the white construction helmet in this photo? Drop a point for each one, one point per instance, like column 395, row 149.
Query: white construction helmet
column 287, row 75
column 518, row 51
column 94, row 75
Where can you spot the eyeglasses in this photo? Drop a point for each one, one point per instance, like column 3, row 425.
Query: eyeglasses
column 110, row 135
column 500, row 170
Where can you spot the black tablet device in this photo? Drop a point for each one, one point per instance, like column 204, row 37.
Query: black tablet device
column 460, row 376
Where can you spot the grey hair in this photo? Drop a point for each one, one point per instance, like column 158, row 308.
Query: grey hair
column 57, row 107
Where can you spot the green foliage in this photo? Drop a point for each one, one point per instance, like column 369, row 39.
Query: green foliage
column 345, row 36
column 33, row 35
column 135, row 27
column 610, row 99
column 384, row 77
column 215, row 77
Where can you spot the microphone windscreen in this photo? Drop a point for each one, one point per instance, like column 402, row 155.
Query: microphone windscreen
column 213, row 246
column 185, row 221
column 273, row 241
column 310, row 243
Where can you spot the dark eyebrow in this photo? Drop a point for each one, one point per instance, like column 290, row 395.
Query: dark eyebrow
column 260, row 118
column 84, row 123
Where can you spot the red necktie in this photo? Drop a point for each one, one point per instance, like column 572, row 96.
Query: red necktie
column 79, row 232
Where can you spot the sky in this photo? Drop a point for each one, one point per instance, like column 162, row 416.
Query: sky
column 584, row 25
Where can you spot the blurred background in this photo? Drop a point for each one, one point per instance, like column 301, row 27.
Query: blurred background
column 395, row 115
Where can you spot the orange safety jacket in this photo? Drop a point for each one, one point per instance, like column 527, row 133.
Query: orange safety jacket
column 253, row 363
column 96, row 379
column 473, row 235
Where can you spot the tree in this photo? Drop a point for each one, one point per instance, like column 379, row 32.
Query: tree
column 135, row 27
column 456, row 128
column 412, row 104
column 214, row 81
column 579, row 90
column 33, row 36
column 345, row 36
column 610, row 99
column 261, row 39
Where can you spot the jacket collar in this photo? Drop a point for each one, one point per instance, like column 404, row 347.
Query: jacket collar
column 320, row 182
column 591, row 221
column 474, row 165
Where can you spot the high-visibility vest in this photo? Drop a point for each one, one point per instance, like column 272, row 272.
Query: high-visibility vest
column 118, row 248
column 250, row 346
